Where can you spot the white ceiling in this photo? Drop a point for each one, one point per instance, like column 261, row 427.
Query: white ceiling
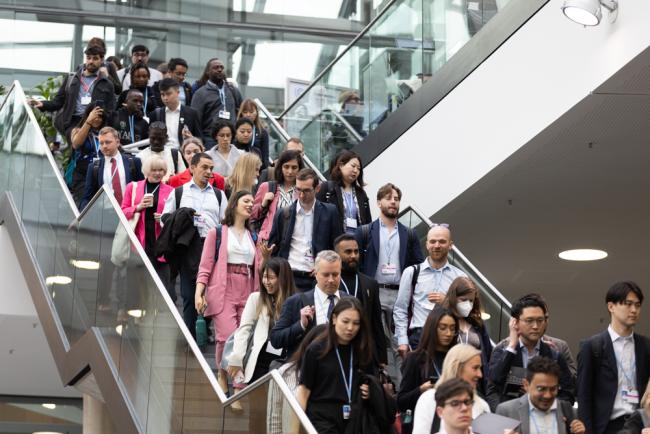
column 583, row 182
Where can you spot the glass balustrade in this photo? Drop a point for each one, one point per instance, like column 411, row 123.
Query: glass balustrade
column 402, row 48
column 99, row 277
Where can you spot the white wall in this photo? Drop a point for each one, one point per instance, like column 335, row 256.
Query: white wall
column 548, row 66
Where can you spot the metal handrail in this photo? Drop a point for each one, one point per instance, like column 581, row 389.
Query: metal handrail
column 457, row 251
column 339, row 117
column 337, row 58
column 133, row 147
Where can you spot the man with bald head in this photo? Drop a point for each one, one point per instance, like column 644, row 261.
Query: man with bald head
column 421, row 287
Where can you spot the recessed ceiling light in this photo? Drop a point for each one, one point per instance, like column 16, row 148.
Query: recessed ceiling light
column 119, row 329
column 85, row 265
column 583, row 255
column 136, row 313
column 47, row 432
column 485, row 316
column 57, row 280
column 49, row 406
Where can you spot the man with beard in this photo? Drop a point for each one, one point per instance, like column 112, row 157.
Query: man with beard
column 157, row 142
column 218, row 99
column 511, row 357
column 386, row 248
column 128, row 120
column 362, row 287
column 539, row 410
column 88, row 85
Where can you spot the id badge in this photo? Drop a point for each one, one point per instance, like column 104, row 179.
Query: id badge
column 198, row 220
column 346, row 411
column 388, row 269
column 309, row 258
column 350, row 222
column 146, row 118
column 630, row 396
column 85, row 100
column 223, row 114
column 272, row 350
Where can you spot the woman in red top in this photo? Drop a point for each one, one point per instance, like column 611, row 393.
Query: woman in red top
column 191, row 146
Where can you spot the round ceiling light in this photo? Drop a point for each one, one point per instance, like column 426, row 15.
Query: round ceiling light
column 583, row 12
column 583, row 255
column 85, row 265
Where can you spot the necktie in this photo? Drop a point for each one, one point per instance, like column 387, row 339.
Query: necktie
column 330, row 308
column 115, row 182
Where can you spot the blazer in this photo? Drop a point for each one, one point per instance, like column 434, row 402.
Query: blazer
column 249, row 319
column 94, row 183
column 331, row 192
column 501, row 362
column 410, row 252
column 287, row 331
column 326, row 228
column 369, row 290
column 598, row 378
column 519, row 409
column 188, row 117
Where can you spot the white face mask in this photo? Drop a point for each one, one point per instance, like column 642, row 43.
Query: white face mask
column 464, row 308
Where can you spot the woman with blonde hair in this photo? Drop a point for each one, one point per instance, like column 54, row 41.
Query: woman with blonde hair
column 463, row 361
column 639, row 421
column 244, row 175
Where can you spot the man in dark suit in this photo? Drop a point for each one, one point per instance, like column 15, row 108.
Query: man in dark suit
column 303, row 229
column 364, row 288
column 614, row 366
column 304, row 310
column 511, row 357
column 181, row 120
column 113, row 168
column 539, row 408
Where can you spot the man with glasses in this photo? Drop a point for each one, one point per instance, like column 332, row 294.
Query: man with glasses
column 614, row 366
column 539, row 410
column 454, row 400
column 421, row 287
column 139, row 54
column 303, row 229
column 511, row 356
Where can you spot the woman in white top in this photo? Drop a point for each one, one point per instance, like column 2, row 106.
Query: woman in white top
column 224, row 155
column 464, row 362
column 228, row 272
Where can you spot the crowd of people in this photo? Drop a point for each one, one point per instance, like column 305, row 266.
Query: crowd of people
column 296, row 275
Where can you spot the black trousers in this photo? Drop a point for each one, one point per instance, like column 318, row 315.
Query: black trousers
column 303, row 281
column 327, row 418
column 615, row 425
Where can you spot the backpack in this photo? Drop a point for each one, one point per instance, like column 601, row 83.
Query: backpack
column 414, row 281
column 175, row 160
column 57, row 120
column 257, row 223
column 217, row 245
column 178, row 193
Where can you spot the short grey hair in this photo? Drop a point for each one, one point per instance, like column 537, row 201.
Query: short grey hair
column 327, row 256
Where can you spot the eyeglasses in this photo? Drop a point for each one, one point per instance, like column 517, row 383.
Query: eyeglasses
column 444, row 225
column 456, row 403
column 536, row 321
column 303, row 190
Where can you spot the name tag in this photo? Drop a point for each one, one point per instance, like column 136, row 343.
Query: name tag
column 346, row 411
column 85, row 100
column 223, row 114
column 309, row 258
column 388, row 269
column 630, row 396
column 272, row 350
column 199, row 220
column 350, row 222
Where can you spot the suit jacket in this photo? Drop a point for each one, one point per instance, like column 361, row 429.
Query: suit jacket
column 598, row 378
column 93, row 183
column 287, row 331
column 410, row 252
column 519, row 409
column 368, row 294
column 188, row 117
column 503, row 360
column 334, row 194
column 326, row 228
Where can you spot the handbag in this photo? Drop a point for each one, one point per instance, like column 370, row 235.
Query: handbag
column 121, row 248
column 229, row 346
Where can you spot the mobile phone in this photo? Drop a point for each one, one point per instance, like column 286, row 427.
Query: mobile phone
column 100, row 103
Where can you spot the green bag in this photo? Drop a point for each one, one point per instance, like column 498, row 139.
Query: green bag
column 201, row 331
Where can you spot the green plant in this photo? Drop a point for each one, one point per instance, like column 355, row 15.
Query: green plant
column 47, row 90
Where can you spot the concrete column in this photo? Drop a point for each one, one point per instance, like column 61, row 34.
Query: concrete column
column 96, row 419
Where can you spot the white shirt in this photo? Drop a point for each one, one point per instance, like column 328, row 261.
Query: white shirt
column 224, row 165
column 108, row 174
column 388, row 254
column 155, row 76
column 172, row 119
column 240, row 251
column 300, row 255
column 203, row 201
column 424, row 411
column 625, row 359
column 322, row 304
column 166, row 155
column 542, row 422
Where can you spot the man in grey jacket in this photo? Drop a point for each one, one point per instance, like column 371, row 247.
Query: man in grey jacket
column 539, row 410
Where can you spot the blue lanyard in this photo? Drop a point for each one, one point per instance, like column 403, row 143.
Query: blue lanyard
column 356, row 285
column 96, row 143
column 348, row 384
column 146, row 97
column 132, row 128
column 539, row 431
column 350, row 204
column 222, row 95
column 253, row 139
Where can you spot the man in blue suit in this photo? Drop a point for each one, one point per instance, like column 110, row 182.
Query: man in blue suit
column 303, row 229
column 387, row 247
column 113, row 168
column 614, row 366
column 304, row 310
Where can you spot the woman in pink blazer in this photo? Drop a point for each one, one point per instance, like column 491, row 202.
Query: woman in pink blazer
column 149, row 201
column 268, row 202
column 226, row 278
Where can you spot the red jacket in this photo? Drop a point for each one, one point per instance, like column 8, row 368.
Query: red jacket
column 184, row 177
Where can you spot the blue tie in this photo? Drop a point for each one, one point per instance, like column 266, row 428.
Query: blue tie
column 331, row 299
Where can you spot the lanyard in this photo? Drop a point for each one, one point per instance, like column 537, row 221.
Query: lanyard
column 348, row 384
column 436, row 369
column 619, row 363
column 253, row 139
column 146, row 97
column 154, row 190
column 96, row 143
column 351, row 209
column 356, row 285
column 390, row 245
column 222, row 95
column 87, row 88
column 132, row 128
column 546, row 428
